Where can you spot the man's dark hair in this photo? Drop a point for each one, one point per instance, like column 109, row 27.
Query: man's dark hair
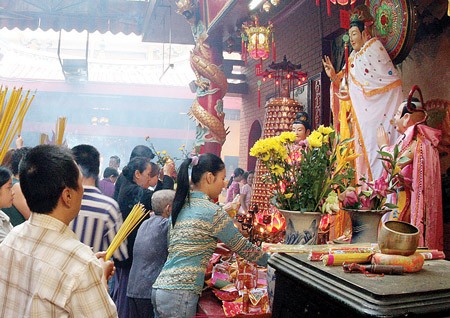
column 142, row 151
column 88, row 158
column 45, row 171
column 110, row 172
column 116, row 159
column 16, row 157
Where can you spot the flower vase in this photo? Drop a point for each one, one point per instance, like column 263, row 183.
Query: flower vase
column 365, row 225
column 301, row 227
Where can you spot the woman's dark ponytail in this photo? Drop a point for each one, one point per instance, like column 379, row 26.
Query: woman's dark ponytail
column 182, row 191
column 237, row 172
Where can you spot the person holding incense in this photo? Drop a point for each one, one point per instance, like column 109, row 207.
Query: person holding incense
column 46, row 270
column 138, row 151
column 197, row 225
column 140, row 174
column 6, row 200
column 149, row 252
column 371, row 91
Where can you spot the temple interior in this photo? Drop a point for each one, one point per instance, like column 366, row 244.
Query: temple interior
column 218, row 76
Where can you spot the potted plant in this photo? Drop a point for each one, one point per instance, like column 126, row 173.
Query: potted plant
column 305, row 177
column 367, row 202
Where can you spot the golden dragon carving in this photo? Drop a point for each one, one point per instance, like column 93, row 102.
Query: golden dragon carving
column 211, row 82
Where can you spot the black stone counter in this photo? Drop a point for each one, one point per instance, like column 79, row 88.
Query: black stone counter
column 310, row 289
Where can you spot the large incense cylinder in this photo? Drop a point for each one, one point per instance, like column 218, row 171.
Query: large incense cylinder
column 280, row 115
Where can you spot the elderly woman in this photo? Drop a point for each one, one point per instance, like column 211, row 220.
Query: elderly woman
column 150, row 253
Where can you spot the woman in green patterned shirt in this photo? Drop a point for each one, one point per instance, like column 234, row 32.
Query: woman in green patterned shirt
column 197, row 224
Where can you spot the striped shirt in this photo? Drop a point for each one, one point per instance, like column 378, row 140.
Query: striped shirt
column 98, row 222
column 192, row 242
column 47, row 272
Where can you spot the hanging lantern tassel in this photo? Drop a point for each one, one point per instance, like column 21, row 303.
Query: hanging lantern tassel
column 244, row 51
column 256, row 44
column 318, row 3
column 274, row 50
column 259, row 94
column 328, row 8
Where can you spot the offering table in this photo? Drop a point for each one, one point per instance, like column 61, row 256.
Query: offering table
column 310, row 289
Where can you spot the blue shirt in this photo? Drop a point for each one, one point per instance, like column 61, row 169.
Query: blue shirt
column 192, row 241
column 98, row 222
column 150, row 253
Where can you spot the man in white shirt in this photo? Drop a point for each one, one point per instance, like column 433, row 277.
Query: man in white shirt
column 45, row 270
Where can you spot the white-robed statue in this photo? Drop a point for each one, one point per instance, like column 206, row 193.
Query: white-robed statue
column 374, row 92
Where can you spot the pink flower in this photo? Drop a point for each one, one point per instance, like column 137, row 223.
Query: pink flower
column 366, row 202
column 381, row 187
column 349, row 197
column 282, row 187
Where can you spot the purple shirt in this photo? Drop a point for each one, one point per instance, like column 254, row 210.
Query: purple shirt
column 107, row 187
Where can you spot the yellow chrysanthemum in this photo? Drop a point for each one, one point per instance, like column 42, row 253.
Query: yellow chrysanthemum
column 315, row 140
column 287, row 137
column 277, row 170
column 325, row 130
column 288, row 195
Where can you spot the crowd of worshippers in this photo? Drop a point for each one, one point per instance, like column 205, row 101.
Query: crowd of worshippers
column 57, row 219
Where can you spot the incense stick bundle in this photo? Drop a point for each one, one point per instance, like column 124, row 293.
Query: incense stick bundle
column 12, row 113
column 137, row 214
column 60, row 128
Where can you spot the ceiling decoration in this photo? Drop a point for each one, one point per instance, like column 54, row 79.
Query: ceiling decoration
column 152, row 18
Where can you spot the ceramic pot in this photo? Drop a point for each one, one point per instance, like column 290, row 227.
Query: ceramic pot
column 301, row 227
column 365, row 224
column 399, row 238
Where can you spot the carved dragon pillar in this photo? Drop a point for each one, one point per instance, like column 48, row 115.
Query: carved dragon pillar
column 211, row 82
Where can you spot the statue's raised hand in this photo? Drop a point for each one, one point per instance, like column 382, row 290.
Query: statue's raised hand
column 329, row 68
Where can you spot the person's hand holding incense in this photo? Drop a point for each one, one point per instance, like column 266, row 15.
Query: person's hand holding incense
column 19, row 142
column 169, row 167
column 108, row 267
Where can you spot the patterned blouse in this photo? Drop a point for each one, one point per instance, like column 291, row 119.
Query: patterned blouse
column 192, row 242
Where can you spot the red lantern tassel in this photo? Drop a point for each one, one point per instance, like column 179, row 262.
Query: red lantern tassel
column 274, row 49
column 318, row 3
column 328, row 8
column 346, row 58
column 259, row 96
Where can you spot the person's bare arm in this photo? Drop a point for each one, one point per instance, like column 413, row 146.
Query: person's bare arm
column 242, row 197
column 20, row 202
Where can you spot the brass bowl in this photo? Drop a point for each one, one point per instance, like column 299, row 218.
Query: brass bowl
column 399, row 238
